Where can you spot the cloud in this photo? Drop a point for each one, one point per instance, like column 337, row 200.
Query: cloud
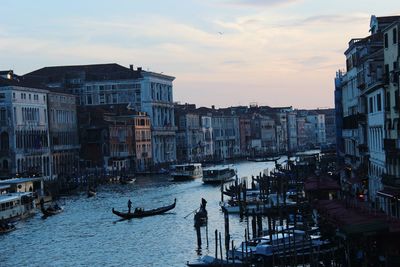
column 258, row 3
column 327, row 19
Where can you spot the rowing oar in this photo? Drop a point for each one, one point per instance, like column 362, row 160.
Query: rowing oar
column 189, row 214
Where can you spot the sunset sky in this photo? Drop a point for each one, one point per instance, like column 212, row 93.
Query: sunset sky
column 222, row 52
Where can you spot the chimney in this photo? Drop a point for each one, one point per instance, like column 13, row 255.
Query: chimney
column 10, row 75
column 139, row 69
column 131, row 67
column 213, row 107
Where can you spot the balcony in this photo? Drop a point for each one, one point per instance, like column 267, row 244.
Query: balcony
column 391, row 146
column 361, row 81
column 350, row 122
column 390, row 180
column 363, row 148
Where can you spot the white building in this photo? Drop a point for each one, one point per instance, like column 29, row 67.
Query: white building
column 207, row 129
column 24, row 137
column 318, row 121
column 157, row 101
column 226, row 136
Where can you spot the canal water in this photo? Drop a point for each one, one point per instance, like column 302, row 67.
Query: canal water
column 88, row 234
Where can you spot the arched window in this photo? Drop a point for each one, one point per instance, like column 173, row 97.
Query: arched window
column 4, row 141
column 5, row 164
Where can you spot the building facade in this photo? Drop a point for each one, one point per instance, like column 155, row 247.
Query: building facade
column 63, row 130
column 112, row 84
column 24, row 137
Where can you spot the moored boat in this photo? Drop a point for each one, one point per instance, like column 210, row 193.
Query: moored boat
column 187, row 171
column 218, row 175
column 210, row 261
column 15, row 206
column 139, row 213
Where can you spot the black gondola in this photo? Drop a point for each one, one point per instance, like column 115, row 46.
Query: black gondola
column 139, row 213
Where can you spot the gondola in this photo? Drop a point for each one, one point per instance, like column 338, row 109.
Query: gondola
column 138, row 213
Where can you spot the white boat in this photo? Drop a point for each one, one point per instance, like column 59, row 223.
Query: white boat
column 187, row 171
column 273, row 200
column 218, row 175
column 283, row 243
column 15, row 206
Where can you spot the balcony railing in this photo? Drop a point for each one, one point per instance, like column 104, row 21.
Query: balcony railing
column 390, row 180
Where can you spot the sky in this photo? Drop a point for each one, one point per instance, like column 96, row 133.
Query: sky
column 222, row 52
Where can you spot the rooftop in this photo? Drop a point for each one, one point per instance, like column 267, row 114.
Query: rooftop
column 19, row 180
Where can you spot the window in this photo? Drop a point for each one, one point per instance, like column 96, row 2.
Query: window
column 386, row 40
column 379, row 102
column 395, row 36
column 388, row 101
column 14, row 95
column 371, row 107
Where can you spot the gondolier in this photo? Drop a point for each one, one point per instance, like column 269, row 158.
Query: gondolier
column 129, row 206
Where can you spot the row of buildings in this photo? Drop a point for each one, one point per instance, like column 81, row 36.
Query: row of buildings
column 255, row 131
column 367, row 115
column 65, row 120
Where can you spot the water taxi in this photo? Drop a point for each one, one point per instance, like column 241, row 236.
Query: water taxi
column 187, row 171
column 218, row 175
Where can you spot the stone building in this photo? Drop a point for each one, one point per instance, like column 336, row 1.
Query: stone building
column 24, row 129
column 111, row 84
column 115, row 139
column 63, row 131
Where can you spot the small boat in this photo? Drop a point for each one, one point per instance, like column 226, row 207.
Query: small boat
column 187, row 171
column 139, row 213
column 218, row 175
column 51, row 210
column 6, row 228
column 213, row 262
column 127, row 180
column 91, row 193
column 264, row 159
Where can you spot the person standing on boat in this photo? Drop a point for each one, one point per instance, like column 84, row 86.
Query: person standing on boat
column 129, row 206
column 203, row 204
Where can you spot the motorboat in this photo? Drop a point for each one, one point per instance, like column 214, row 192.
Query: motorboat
column 256, row 204
column 280, row 244
column 50, row 210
